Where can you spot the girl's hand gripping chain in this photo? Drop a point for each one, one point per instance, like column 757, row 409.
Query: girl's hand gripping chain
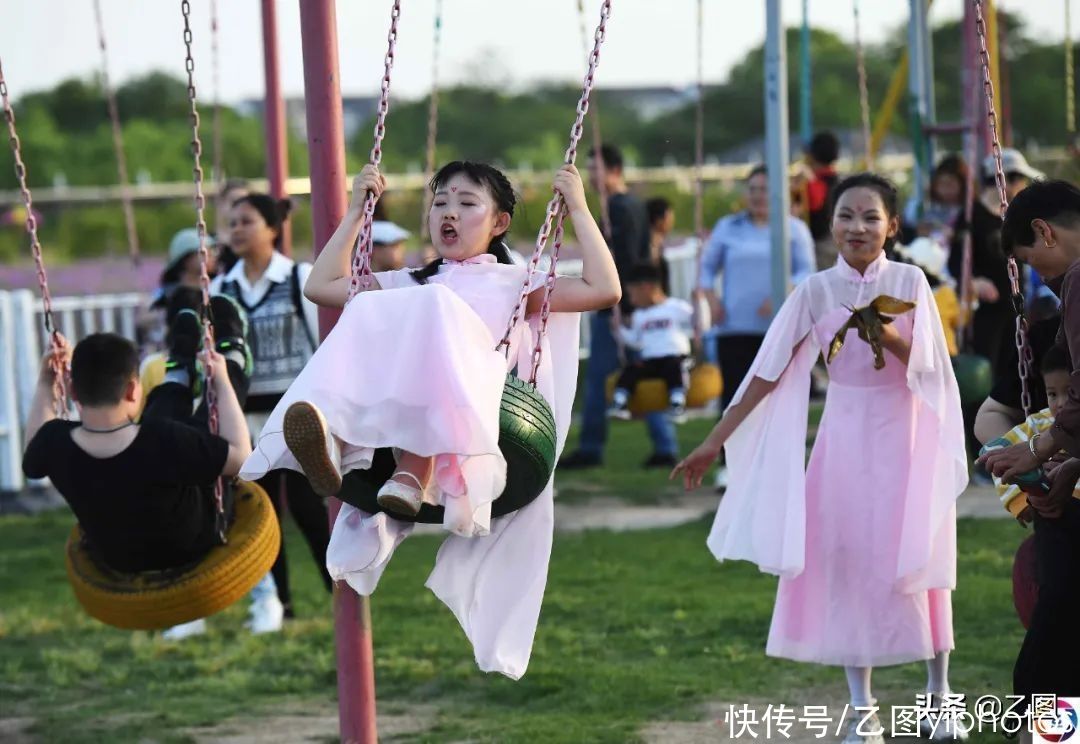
column 568, row 184
column 369, row 179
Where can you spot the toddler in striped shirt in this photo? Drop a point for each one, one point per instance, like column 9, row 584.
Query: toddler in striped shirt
column 1055, row 368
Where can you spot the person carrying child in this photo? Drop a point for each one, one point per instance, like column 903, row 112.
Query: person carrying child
column 414, row 364
column 1056, row 369
column 1041, row 227
column 142, row 489
column 660, row 331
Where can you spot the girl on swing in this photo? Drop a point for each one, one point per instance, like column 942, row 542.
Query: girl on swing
column 412, row 364
column 864, row 537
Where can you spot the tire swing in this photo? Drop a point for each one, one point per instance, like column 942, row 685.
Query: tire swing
column 651, row 396
column 527, row 437
column 704, row 383
column 160, row 599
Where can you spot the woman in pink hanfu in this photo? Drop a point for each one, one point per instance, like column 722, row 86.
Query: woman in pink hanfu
column 864, row 537
column 412, row 365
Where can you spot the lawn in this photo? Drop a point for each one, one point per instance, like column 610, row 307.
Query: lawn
column 627, row 448
column 636, row 627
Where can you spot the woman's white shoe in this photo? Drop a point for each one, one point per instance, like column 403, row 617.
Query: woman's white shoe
column 401, row 498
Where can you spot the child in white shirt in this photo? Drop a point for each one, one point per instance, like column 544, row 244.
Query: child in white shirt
column 660, row 331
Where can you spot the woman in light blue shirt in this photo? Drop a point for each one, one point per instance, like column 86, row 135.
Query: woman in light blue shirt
column 740, row 250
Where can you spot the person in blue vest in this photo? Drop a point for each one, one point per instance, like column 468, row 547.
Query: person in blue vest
column 282, row 336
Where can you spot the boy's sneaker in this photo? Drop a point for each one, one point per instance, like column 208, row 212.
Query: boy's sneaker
column 230, row 331
column 721, row 479
column 185, row 338
column 677, row 411
column 267, row 615
column 620, row 405
column 308, row 437
column 185, row 630
column 677, row 405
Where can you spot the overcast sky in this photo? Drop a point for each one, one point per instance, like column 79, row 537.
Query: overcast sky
column 650, row 41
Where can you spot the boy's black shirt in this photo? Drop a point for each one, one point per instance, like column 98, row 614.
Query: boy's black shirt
column 149, row 507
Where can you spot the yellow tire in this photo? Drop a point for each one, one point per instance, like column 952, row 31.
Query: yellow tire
column 152, row 601
column 706, row 385
column 652, row 395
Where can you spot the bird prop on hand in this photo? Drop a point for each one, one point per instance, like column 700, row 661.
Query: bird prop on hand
column 870, row 321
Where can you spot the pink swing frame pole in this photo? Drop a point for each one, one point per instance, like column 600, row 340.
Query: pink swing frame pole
column 326, row 148
column 277, row 157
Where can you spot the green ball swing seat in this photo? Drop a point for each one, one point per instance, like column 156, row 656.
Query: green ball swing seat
column 527, row 440
column 974, row 377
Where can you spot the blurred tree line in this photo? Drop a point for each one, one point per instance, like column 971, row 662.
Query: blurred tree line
column 66, row 137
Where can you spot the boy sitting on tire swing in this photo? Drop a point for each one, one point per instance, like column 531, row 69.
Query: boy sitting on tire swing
column 142, row 489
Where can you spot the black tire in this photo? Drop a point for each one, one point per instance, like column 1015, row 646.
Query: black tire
column 527, row 440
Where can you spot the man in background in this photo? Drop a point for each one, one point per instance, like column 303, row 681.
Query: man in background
column 629, row 243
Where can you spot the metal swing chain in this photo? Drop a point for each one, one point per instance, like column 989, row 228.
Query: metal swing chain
column 556, row 212
column 118, row 142
column 1070, row 73
column 361, row 268
column 433, row 123
column 59, row 382
column 864, row 94
column 204, row 255
column 597, row 141
column 1023, row 348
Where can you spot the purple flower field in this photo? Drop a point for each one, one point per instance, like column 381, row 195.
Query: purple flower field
column 96, row 276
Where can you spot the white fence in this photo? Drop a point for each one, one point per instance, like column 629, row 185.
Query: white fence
column 22, row 339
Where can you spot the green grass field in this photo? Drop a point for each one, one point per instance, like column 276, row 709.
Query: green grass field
column 628, row 447
column 636, row 627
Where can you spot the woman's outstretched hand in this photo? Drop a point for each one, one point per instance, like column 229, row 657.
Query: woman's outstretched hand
column 696, row 465
column 568, row 184
column 368, row 180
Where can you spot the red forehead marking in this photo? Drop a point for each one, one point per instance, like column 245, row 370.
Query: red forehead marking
column 453, row 188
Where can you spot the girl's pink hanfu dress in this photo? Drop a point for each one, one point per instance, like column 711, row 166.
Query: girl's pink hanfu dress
column 415, row 367
column 864, row 537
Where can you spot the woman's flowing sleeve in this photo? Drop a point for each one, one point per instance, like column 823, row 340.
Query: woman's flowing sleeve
column 762, row 517
column 937, row 467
